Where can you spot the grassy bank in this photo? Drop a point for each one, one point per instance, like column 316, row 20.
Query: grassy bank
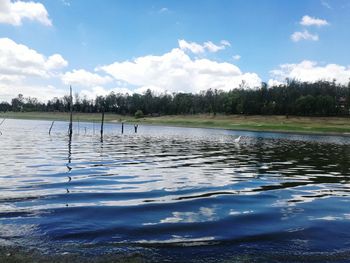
column 322, row 125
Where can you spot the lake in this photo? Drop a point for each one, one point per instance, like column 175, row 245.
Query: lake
column 177, row 194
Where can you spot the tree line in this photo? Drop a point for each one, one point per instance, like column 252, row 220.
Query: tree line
column 322, row 98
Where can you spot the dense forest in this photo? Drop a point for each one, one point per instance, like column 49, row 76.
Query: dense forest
column 322, row 98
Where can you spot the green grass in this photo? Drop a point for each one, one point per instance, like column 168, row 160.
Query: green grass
column 323, row 125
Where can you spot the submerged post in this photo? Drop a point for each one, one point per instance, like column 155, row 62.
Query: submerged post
column 2, row 121
column 51, row 127
column 78, row 126
column 122, row 127
column 135, row 127
column 1, row 124
column 71, row 113
column 103, row 118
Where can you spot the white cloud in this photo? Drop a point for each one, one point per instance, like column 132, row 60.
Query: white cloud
column 84, row 78
column 236, row 57
column 102, row 91
column 305, row 35
column 211, row 47
column 10, row 79
column 310, row 71
column 56, row 61
column 42, row 92
column 14, row 12
column 206, row 46
column 122, row 90
column 21, row 68
column 176, row 71
column 17, row 59
column 155, row 90
column 191, row 46
column 312, row 21
column 225, row 43
column 274, row 82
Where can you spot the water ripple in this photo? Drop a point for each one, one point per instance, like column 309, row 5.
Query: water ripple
column 173, row 186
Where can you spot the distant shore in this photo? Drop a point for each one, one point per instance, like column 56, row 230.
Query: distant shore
column 292, row 124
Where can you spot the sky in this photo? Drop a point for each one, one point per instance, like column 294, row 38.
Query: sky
column 99, row 46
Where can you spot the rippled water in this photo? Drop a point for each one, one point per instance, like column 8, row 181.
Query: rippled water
column 173, row 193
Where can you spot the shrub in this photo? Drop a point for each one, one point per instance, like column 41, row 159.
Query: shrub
column 138, row 114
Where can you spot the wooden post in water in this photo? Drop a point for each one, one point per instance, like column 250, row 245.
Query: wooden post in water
column 1, row 124
column 51, row 127
column 78, row 126
column 2, row 121
column 122, row 127
column 103, row 118
column 71, row 113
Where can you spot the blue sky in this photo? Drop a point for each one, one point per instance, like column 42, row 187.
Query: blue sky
column 106, row 39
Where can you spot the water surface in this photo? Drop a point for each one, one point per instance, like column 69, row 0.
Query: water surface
column 180, row 194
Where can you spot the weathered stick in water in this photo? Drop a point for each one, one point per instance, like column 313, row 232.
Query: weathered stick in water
column 51, row 127
column 122, row 127
column 3, row 121
column 78, row 126
column 71, row 112
column 103, row 119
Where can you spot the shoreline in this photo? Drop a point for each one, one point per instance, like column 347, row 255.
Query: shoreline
column 11, row 254
column 319, row 126
column 17, row 254
column 338, row 134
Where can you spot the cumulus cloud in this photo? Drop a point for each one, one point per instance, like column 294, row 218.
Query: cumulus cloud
column 305, row 35
column 56, row 61
column 225, row 43
column 84, row 78
column 155, row 90
column 176, row 71
column 42, row 92
column 24, row 70
column 19, row 60
column 310, row 71
column 312, row 21
column 102, row 91
column 14, row 12
column 21, row 68
column 211, row 47
column 274, row 82
column 206, row 46
column 191, row 46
